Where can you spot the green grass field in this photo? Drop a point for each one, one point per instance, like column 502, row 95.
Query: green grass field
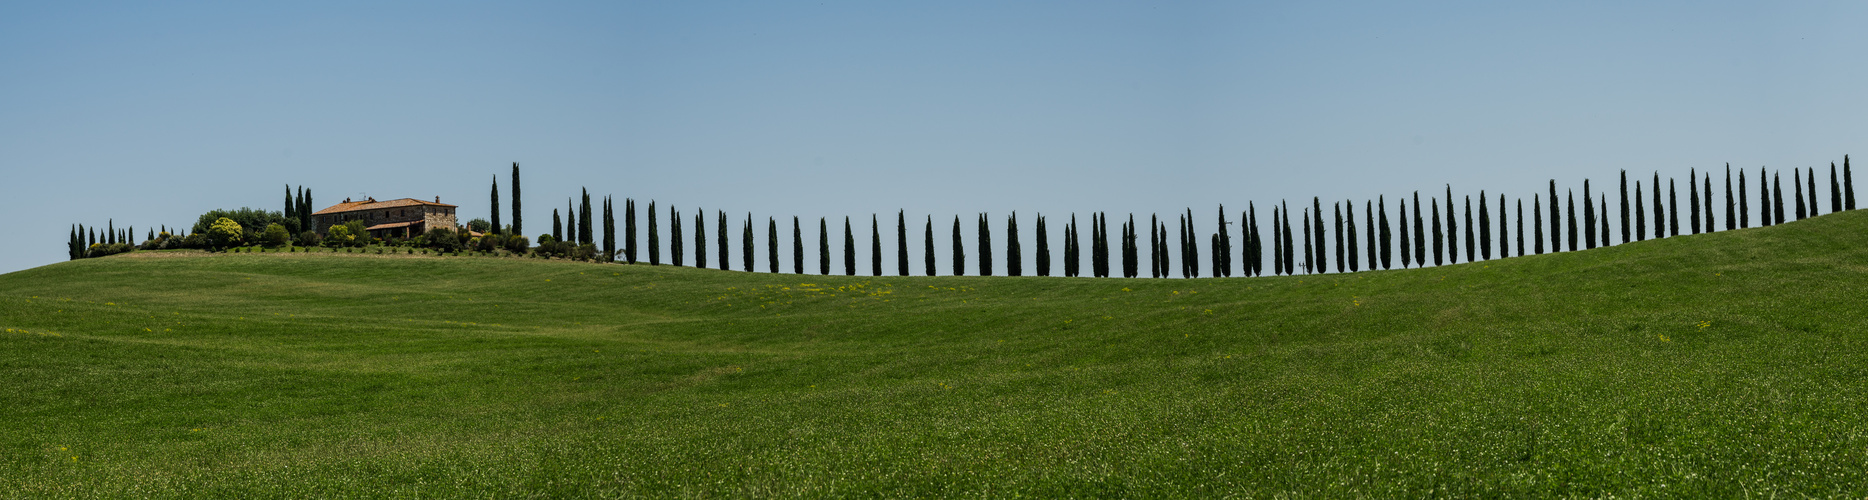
column 1722, row 365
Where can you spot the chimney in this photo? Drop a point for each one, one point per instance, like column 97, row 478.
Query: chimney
column 437, row 199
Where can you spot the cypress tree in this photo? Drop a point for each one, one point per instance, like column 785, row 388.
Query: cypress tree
column 1692, row 199
column 495, row 205
column 1310, row 247
column 1128, row 248
column 1589, row 218
column 291, row 206
column 723, row 244
column 1349, row 232
column 1420, row 234
column 1099, row 244
column 1835, row 190
column 609, row 230
column 1809, row 179
column 1556, row 218
column 1777, row 198
column 1504, row 228
column 629, row 232
column 1132, row 260
column 1387, row 240
column 985, row 247
column 797, row 246
column 1321, row 263
column 746, row 249
column 1625, row 226
column 875, row 246
column 1470, row 244
column 1223, row 257
column 1340, row 242
column 675, row 236
column 1569, row 206
column 1848, row 185
column 1764, row 197
column 584, row 233
column 1072, row 253
column 1193, row 252
column 1731, row 217
column 71, row 244
column 927, row 252
column 849, row 248
column 1044, row 248
column 700, row 238
column 1277, row 242
column 1796, row 183
column 1706, row 185
column 1369, row 228
column 1452, row 228
column 1640, row 216
column 1520, row 219
column 1439, row 236
column 557, row 226
column 823, row 246
column 1213, row 246
column 518, row 224
column 655, row 238
column 1406, row 248
column 1254, row 245
column 1537, row 223
column 1660, row 211
column 901, row 243
column 959, row 250
column 771, row 245
column 1604, row 220
column 1014, row 256
column 570, row 222
column 1290, row 244
column 1744, row 201
column 1485, row 228
column 1154, row 247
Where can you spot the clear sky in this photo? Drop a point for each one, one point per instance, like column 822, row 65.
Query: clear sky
column 152, row 112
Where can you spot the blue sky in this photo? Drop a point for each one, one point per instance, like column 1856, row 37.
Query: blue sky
column 151, row 113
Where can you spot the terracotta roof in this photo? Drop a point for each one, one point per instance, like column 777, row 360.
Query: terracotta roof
column 393, row 225
column 356, row 206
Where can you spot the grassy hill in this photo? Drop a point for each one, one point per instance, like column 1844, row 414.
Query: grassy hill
column 1717, row 365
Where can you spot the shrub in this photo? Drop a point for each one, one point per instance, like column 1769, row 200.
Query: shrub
column 516, row 244
column 224, row 233
column 441, row 239
column 359, row 232
column 545, row 238
column 338, row 236
column 247, row 218
column 306, row 239
column 275, row 236
column 106, row 249
column 556, row 249
column 488, row 243
column 587, row 251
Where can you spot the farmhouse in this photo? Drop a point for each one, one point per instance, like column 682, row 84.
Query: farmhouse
column 402, row 218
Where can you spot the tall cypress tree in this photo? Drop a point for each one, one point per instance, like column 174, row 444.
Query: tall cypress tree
column 901, row 243
column 1348, row 232
column 1253, row 247
column 1520, row 219
column 1340, row 243
column 1835, row 190
column 1504, row 229
column 746, row 250
column 1692, row 198
column 1569, row 206
column 723, row 244
column 1731, row 215
column 1014, row 265
column 1290, row 244
column 1809, row 178
column 584, row 233
column 1439, row 236
column 1320, row 263
column 1223, row 257
column 875, row 246
column 1368, row 226
column 823, row 246
column 927, row 253
column 629, row 231
column 1406, row 248
column 495, row 205
column 1777, row 198
column 1485, row 228
column 1452, row 228
column 1796, row 183
column 518, row 224
column 1537, row 223
column 1659, row 209
column 985, row 247
column 609, row 230
column 1193, row 251
column 849, row 248
column 557, row 226
column 570, row 222
column 1706, row 185
column 797, row 246
column 1556, row 220
column 959, row 250
column 675, row 236
column 700, row 238
column 1744, row 201
column 1420, row 234
column 1072, row 252
column 1625, row 226
column 655, row 237
column 1640, row 216
column 1044, row 249
column 291, row 205
column 1589, row 217
column 771, row 245
column 1470, row 244
column 1848, row 185
column 1310, row 246
column 1154, row 247
column 1277, row 242
column 1386, row 237
column 1764, row 197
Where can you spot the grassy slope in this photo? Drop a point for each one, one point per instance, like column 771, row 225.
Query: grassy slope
column 1584, row 373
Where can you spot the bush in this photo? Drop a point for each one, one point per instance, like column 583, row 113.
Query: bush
column 359, row 232
column 488, row 243
column 247, row 218
column 105, row 249
column 516, row 244
column 224, row 233
column 339, row 236
column 306, row 239
column 545, row 238
column 555, row 249
column 275, row 236
column 441, row 239
column 587, row 251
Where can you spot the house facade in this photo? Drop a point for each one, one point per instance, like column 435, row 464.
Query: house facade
column 404, row 218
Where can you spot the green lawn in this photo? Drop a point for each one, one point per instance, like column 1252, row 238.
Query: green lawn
column 1719, row 365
